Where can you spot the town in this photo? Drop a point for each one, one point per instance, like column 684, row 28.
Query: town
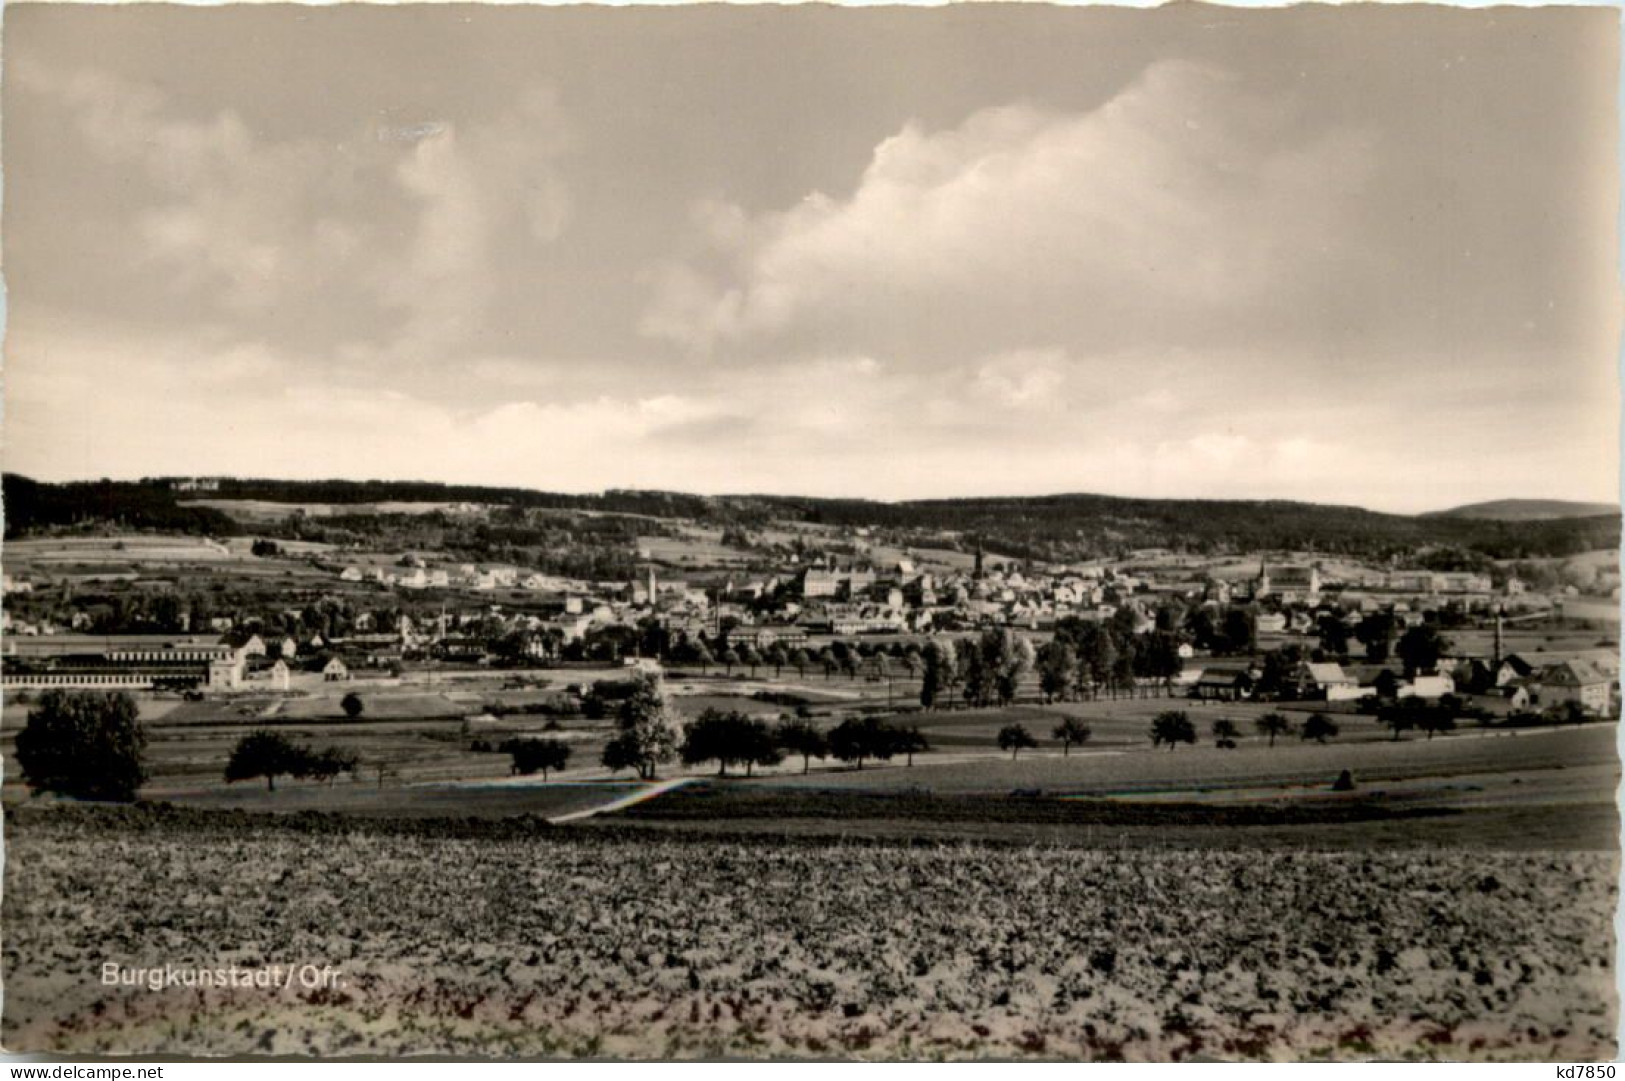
column 266, row 612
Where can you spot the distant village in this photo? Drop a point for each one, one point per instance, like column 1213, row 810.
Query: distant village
column 1287, row 628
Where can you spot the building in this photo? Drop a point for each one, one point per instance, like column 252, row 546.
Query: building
column 1573, row 681
column 335, row 670
column 820, row 582
column 767, row 634
column 1224, row 684
column 127, row 661
column 1330, row 682
column 1286, row 582
column 281, row 679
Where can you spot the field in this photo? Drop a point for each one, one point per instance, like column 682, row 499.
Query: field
column 1119, row 902
column 508, row 940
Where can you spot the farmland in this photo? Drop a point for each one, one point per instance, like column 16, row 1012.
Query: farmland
column 1445, row 898
column 510, row 941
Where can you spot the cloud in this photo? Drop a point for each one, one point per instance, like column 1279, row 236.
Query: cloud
column 389, row 233
column 1026, row 379
column 1176, row 207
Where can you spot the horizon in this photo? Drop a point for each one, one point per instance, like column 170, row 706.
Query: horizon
column 791, row 495
column 1354, row 257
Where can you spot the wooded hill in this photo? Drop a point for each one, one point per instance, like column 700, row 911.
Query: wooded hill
column 1060, row 527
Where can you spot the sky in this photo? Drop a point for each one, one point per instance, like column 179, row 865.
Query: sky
column 1364, row 255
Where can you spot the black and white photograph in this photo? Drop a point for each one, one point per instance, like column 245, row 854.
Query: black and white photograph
column 986, row 532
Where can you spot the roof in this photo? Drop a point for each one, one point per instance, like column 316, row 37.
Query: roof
column 1573, row 674
column 1226, row 676
column 76, row 644
column 1329, row 673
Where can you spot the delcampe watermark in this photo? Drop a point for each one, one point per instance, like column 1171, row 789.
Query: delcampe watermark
column 275, row 977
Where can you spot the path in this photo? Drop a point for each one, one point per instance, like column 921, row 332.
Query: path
column 659, row 788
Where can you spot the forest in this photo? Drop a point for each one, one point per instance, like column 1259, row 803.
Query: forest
column 1056, row 528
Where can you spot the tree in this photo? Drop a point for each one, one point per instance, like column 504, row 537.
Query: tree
column 329, row 763
column 855, row 740
column 778, row 656
column 1057, row 666
column 1272, row 725
column 1238, row 632
column 707, row 740
column 826, row 660
column 703, row 657
column 84, row 745
column 798, row 736
column 1334, row 635
column 909, row 741
column 1225, row 734
column 729, row 739
column 800, row 658
column 269, row 755
column 1172, row 727
column 1283, row 672
column 939, row 661
column 975, row 677
column 1012, row 660
column 1071, row 730
column 1420, row 648
column 1318, row 727
column 648, row 729
column 1160, row 658
column 728, row 659
column 530, row 755
column 1013, row 737
column 1376, row 633
column 1435, row 719
column 352, row 705
column 621, row 753
column 1399, row 717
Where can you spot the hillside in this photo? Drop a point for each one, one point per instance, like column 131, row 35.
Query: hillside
column 1060, row 527
column 1526, row 510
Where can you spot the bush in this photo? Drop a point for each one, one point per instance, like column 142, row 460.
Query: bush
column 84, row 745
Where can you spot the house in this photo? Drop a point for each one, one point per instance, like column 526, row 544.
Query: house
column 1330, row 682
column 351, row 574
column 1271, row 623
column 1429, row 687
column 1224, row 684
column 288, row 649
column 246, row 644
column 1573, row 681
column 335, row 670
column 280, row 677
